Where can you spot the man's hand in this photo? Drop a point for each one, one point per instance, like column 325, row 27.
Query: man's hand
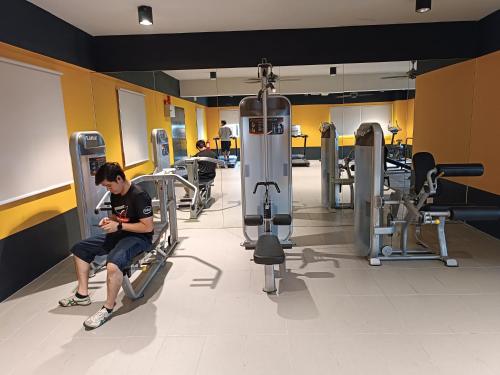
column 110, row 226
column 104, row 221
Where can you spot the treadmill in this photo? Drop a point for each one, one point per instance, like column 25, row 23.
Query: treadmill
column 233, row 159
column 299, row 160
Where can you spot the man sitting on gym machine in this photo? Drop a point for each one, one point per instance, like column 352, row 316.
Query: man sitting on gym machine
column 128, row 232
column 206, row 170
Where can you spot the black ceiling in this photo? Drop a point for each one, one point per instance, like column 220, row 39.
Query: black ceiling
column 34, row 29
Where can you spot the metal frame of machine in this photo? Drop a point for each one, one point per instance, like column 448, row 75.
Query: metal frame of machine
column 265, row 141
column 375, row 215
column 200, row 197
column 331, row 170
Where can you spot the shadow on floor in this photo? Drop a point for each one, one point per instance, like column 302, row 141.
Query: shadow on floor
column 71, row 354
column 346, row 236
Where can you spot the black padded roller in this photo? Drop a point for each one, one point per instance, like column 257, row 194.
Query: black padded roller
column 460, row 170
column 282, row 219
column 254, row 220
column 475, row 213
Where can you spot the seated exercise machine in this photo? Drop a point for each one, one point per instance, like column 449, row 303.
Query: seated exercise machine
column 165, row 236
column 266, row 176
column 201, row 197
column 332, row 170
column 299, row 160
column 376, row 215
column 233, row 159
column 88, row 154
column 187, row 172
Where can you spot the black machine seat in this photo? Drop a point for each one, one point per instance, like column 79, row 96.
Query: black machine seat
column 268, row 250
column 204, row 183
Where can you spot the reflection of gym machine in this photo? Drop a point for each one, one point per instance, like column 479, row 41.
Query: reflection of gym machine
column 299, row 160
column 187, row 174
column 201, row 197
column 266, row 162
column 233, row 159
column 332, row 170
column 376, row 215
column 87, row 151
column 161, row 153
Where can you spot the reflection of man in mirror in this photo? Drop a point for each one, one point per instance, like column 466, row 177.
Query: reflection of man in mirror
column 280, row 128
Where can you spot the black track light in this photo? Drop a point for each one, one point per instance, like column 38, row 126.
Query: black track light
column 213, row 75
column 333, row 70
column 145, row 15
column 422, row 6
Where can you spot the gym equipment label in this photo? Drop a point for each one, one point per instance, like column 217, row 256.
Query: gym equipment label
column 274, row 125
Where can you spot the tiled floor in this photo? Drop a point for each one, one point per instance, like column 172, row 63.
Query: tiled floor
column 205, row 312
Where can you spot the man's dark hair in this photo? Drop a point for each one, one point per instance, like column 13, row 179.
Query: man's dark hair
column 110, row 172
column 223, row 122
column 201, row 144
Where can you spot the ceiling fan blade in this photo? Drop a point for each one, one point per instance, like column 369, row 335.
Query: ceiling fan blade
column 289, row 79
column 395, row 77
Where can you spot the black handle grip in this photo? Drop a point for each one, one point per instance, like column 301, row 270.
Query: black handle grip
column 266, row 184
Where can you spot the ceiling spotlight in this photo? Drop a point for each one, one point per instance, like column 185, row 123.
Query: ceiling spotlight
column 213, row 75
column 333, row 70
column 145, row 15
column 422, row 6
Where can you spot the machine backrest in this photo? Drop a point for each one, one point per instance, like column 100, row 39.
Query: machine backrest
column 423, row 162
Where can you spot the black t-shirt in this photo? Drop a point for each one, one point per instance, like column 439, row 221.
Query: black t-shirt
column 132, row 207
column 206, row 169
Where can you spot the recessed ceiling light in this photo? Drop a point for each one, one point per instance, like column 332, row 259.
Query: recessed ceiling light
column 145, row 15
column 423, row 6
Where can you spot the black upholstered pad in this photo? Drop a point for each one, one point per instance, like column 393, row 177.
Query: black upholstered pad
column 268, row 250
column 475, row 213
column 282, row 219
column 254, row 220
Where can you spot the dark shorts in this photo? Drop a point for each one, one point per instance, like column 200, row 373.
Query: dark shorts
column 225, row 146
column 120, row 250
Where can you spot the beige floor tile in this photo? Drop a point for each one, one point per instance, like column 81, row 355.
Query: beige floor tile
column 223, row 354
column 205, row 312
column 178, row 355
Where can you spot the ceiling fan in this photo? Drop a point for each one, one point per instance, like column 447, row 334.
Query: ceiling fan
column 273, row 78
column 411, row 74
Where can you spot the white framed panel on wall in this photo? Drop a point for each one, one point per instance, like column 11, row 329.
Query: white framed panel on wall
column 133, row 126
column 34, row 146
column 348, row 118
column 200, row 123
column 232, row 118
column 381, row 113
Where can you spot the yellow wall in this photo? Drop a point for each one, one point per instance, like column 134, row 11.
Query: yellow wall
column 457, row 113
column 485, row 131
column 402, row 114
column 90, row 103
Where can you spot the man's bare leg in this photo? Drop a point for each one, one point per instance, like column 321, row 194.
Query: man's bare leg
column 113, row 282
column 82, row 273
